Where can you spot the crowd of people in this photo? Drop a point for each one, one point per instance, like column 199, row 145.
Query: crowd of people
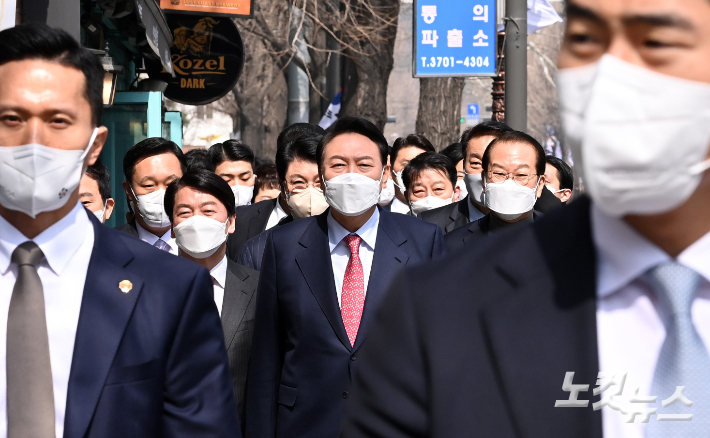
column 346, row 287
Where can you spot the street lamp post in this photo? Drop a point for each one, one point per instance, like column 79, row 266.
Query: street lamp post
column 516, row 64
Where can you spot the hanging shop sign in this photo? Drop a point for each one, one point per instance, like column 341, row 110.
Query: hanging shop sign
column 228, row 8
column 207, row 58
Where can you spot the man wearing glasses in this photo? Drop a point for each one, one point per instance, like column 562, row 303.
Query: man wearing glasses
column 513, row 180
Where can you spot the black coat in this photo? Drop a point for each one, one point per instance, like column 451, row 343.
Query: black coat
column 250, row 221
column 455, row 353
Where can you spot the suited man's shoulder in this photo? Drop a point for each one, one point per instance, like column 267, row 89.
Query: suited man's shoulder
column 407, row 223
column 252, row 209
column 442, row 213
column 242, row 272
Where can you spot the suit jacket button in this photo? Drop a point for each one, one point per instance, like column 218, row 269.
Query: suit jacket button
column 353, row 357
column 345, row 394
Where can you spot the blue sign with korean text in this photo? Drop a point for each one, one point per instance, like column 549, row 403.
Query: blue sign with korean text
column 473, row 112
column 454, row 38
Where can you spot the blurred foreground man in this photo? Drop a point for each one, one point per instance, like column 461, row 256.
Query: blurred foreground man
column 617, row 285
column 321, row 282
column 95, row 339
column 201, row 207
column 514, row 166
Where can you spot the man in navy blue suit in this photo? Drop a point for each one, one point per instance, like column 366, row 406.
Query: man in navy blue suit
column 321, row 282
column 101, row 335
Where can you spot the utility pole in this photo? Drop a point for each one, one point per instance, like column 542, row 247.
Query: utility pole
column 298, row 82
column 516, row 65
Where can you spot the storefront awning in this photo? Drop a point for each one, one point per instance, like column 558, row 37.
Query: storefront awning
column 157, row 31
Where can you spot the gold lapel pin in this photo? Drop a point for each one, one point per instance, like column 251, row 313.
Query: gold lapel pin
column 125, row 286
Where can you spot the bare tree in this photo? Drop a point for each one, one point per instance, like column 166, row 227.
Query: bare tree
column 438, row 118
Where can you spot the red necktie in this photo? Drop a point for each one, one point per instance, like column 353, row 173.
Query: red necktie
column 352, row 299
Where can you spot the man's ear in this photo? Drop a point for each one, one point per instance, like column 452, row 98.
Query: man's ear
column 97, row 146
column 457, row 194
column 566, row 195
column 385, row 177
column 110, row 204
column 540, row 186
column 231, row 225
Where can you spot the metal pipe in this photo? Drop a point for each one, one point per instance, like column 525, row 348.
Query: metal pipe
column 516, row 65
column 298, row 83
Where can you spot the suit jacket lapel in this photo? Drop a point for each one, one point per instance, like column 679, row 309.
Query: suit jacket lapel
column 258, row 222
column 317, row 268
column 105, row 312
column 236, row 300
column 548, row 323
column 387, row 260
column 459, row 215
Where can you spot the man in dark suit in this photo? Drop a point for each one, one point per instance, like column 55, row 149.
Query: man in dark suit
column 201, row 207
column 513, row 181
column 125, row 339
column 261, row 216
column 149, row 167
column 592, row 322
column 321, row 283
column 301, row 188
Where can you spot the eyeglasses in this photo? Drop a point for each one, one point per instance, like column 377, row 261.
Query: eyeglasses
column 301, row 186
column 520, row 178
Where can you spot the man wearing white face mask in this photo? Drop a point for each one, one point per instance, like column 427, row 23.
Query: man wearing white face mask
column 96, row 326
column 321, row 281
column 202, row 211
column 233, row 161
column 404, row 150
column 614, row 284
column 95, row 191
column 149, row 167
column 513, row 180
column 302, row 190
column 430, row 180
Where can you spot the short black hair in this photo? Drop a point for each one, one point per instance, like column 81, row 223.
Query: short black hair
column 410, row 141
column 564, row 172
column 429, row 161
column 483, row 129
column 99, row 173
column 354, row 125
column 516, row 137
column 203, row 181
column 454, row 151
column 295, row 130
column 303, row 147
column 39, row 41
column 147, row 148
column 266, row 179
column 196, row 159
column 230, row 150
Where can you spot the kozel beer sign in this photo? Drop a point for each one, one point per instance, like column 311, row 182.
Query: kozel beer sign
column 207, row 56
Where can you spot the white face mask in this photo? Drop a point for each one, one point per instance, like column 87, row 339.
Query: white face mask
column 398, row 181
column 151, row 208
column 352, row 194
column 554, row 192
column 35, row 178
column 200, row 236
column 100, row 214
column 242, row 194
column 428, row 203
column 463, row 191
column 306, row 203
column 639, row 137
column 387, row 194
column 474, row 186
column 509, row 199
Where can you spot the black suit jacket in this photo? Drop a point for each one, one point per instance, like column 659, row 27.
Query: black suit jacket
column 250, row 221
column 449, row 217
column 302, row 360
column 238, row 309
column 129, row 228
column 473, row 232
column 253, row 250
column 451, row 357
column 149, row 362
column 547, row 202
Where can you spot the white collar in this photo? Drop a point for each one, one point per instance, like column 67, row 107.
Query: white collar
column 398, row 206
column 368, row 232
column 624, row 255
column 151, row 238
column 219, row 272
column 280, row 212
column 59, row 242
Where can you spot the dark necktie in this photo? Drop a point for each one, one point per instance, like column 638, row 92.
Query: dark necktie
column 30, row 394
column 161, row 244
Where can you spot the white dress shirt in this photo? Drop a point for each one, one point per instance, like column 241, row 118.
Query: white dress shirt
column 276, row 215
column 67, row 247
column 340, row 252
column 398, row 206
column 630, row 330
column 474, row 213
column 219, row 278
column 151, row 238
